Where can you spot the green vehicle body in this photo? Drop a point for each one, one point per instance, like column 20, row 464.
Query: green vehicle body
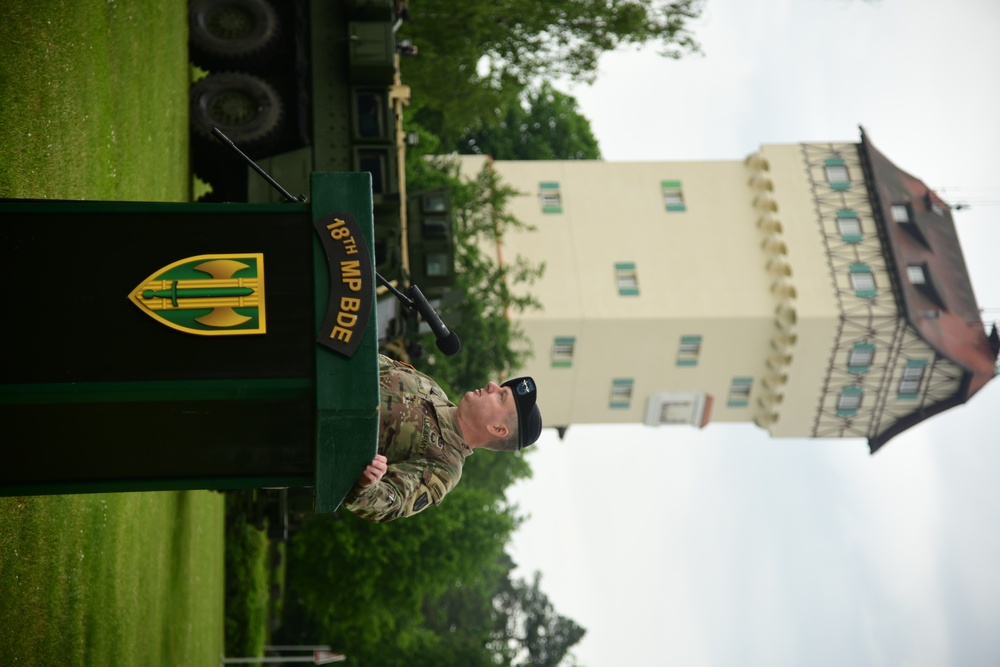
column 313, row 92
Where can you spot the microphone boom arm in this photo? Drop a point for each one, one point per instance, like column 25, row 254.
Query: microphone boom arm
column 403, row 299
column 447, row 341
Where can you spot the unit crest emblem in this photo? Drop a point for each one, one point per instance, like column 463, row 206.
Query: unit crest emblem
column 207, row 295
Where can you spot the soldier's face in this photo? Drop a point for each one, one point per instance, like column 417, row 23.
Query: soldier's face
column 491, row 404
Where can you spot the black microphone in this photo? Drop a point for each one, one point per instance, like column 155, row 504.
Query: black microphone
column 447, row 341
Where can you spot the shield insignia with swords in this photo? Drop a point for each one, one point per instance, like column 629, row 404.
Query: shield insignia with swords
column 207, row 295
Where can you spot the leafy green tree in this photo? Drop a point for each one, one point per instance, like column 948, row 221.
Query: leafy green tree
column 476, row 57
column 488, row 292
column 366, row 587
column 464, row 618
column 545, row 125
column 492, row 291
column 493, row 345
column 529, row 629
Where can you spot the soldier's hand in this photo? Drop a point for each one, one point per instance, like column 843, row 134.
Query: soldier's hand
column 373, row 471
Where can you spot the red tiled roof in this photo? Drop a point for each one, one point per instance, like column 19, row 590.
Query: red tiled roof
column 944, row 310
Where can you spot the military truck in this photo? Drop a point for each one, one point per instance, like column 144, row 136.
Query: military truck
column 314, row 85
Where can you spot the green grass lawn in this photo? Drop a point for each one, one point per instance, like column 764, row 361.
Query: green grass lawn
column 94, row 99
column 112, row 579
column 93, row 105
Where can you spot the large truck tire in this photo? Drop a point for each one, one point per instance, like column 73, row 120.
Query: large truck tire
column 245, row 107
column 231, row 33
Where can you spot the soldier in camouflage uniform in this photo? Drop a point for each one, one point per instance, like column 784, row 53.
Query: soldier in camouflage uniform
column 424, row 438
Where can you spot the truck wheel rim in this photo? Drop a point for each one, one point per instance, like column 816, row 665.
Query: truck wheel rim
column 233, row 107
column 229, row 22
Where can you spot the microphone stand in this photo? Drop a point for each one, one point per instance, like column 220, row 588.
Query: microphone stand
column 447, row 341
column 289, row 199
column 403, row 299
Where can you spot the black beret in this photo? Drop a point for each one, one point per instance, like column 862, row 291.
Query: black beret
column 529, row 418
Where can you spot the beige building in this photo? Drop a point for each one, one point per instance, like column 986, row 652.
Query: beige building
column 814, row 289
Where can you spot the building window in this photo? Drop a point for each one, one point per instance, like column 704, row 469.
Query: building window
column 548, row 192
column 676, row 413
column 849, row 226
column 915, row 272
column 901, row 213
column 687, row 353
column 933, row 204
column 913, row 375
column 370, row 111
column 562, row 351
column 435, row 202
column 436, row 264
column 375, row 162
column 836, row 174
column 673, row 196
column 434, row 228
column 860, row 358
column 628, row 281
column 739, row 392
column 690, row 407
column 621, row 393
column 849, row 401
column 863, row 281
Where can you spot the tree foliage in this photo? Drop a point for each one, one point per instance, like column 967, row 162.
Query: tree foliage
column 365, row 587
column 435, row 590
column 489, row 292
column 533, row 633
column 545, row 124
column 481, row 55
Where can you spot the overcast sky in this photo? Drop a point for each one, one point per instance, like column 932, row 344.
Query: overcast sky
column 674, row 546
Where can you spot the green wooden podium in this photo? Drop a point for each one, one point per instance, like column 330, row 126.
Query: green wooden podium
column 153, row 346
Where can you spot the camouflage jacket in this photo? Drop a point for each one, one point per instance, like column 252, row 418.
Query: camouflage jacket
column 419, row 435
